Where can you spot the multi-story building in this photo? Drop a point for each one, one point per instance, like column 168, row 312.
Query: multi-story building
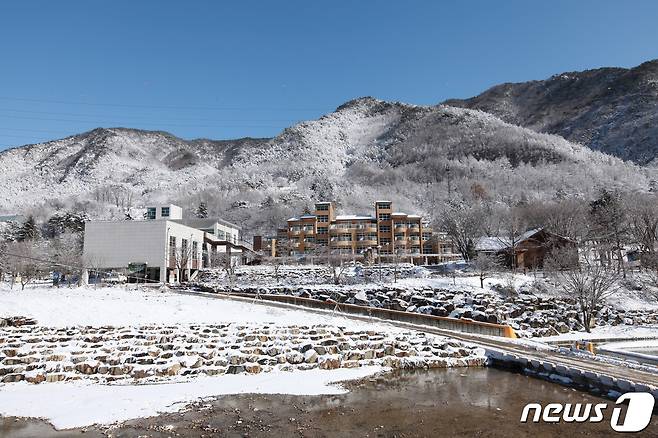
column 164, row 247
column 387, row 233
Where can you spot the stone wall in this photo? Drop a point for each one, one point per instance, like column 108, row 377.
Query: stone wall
column 148, row 353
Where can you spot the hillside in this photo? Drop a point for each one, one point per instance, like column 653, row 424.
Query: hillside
column 613, row 110
column 367, row 149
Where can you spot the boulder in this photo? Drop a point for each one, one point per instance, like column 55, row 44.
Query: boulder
column 310, row 356
column 329, row 363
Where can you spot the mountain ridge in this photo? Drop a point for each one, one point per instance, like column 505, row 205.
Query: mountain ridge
column 611, row 109
column 366, row 149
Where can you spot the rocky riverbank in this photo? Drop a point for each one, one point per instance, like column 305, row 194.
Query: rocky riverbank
column 39, row 354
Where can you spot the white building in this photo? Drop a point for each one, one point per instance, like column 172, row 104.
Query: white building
column 164, row 247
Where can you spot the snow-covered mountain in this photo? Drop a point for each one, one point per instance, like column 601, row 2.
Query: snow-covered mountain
column 614, row 110
column 367, row 149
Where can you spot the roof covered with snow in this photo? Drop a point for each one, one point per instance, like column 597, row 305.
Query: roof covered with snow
column 498, row 243
column 348, row 217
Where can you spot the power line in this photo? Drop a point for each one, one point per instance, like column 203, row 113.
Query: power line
column 58, row 113
column 121, row 122
column 168, row 107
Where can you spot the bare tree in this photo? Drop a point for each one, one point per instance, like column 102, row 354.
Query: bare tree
column 511, row 226
column 93, row 264
column 486, row 264
column 276, row 263
column 4, row 260
column 228, row 263
column 463, row 224
column 23, row 261
column 397, row 257
column 610, row 227
column 643, row 225
column 590, row 284
column 65, row 251
column 337, row 263
column 182, row 257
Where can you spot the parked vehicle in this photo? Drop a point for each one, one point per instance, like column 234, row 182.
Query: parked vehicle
column 114, row 278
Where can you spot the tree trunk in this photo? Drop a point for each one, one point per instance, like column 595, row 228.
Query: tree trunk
column 586, row 321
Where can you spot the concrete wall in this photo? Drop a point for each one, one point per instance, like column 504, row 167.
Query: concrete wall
column 115, row 244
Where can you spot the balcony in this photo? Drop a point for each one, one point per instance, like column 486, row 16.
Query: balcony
column 341, row 243
column 294, row 232
column 400, row 228
column 415, row 228
column 367, row 242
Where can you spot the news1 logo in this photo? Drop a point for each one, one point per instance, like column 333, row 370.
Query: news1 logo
column 638, row 413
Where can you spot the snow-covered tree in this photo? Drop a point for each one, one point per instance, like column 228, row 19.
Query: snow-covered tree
column 202, row 210
column 28, row 230
column 587, row 282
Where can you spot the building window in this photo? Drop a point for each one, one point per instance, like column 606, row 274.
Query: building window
column 322, row 207
column 427, row 249
column 384, row 217
column 323, row 230
column 183, row 247
column 172, row 247
column 221, row 235
column 385, row 241
column 323, row 219
column 150, row 213
column 384, row 229
column 195, row 251
column 384, row 205
column 164, row 212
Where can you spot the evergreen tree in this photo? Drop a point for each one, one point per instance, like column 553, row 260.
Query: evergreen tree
column 29, row 230
column 202, row 210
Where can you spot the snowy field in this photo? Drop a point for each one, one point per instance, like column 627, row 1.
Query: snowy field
column 69, row 405
column 117, row 306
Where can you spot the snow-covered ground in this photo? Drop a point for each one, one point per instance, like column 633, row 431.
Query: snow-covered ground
column 116, row 306
column 77, row 404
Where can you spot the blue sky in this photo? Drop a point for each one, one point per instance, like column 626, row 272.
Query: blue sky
column 231, row 69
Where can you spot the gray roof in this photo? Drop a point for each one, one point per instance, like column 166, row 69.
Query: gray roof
column 498, row 243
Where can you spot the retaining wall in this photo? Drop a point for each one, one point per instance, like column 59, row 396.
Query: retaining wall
column 461, row 325
column 597, row 383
